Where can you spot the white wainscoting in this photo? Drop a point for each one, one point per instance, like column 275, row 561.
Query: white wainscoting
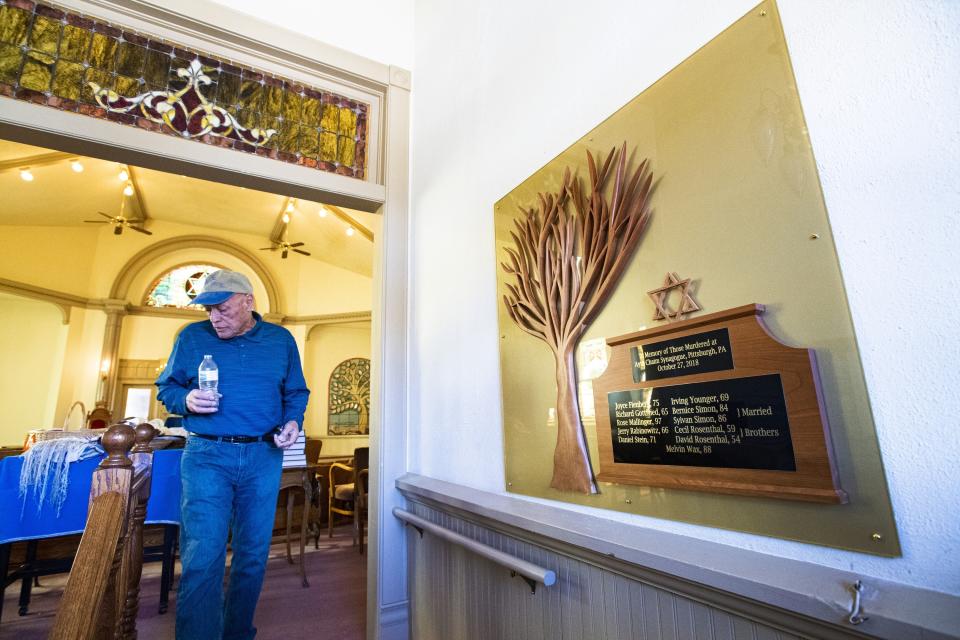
column 620, row 582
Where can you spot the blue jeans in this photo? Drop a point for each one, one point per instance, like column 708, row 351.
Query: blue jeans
column 226, row 488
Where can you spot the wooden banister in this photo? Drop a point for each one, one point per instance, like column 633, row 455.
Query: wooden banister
column 91, row 570
column 102, row 594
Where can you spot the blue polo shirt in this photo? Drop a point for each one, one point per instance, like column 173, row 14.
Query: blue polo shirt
column 260, row 379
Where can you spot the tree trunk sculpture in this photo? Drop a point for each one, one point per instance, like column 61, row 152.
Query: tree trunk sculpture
column 568, row 256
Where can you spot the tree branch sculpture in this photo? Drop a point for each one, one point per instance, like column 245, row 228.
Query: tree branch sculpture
column 568, row 255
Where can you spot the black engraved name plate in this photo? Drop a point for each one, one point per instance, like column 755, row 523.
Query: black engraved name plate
column 737, row 423
column 696, row 353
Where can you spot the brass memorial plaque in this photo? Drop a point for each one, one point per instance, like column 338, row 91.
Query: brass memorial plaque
column 734, row 215
column 715, row 403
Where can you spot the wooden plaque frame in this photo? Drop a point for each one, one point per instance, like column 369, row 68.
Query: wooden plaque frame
column 755, row 352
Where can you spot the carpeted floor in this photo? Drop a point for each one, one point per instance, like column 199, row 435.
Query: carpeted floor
column 334, row 606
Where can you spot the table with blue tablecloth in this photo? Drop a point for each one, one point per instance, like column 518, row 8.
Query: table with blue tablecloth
column 21, row 520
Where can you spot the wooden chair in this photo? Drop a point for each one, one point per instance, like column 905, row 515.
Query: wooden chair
column 360, row 507
column 99, row 418
column 312, row 450
column 102, row 593
column 342, row 496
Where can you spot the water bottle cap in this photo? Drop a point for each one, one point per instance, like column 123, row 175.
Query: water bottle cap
column 207, row 356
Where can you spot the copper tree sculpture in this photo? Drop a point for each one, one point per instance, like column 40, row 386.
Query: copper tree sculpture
column 568, row 256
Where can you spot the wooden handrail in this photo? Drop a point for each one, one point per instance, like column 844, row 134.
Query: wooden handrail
column 102, row 593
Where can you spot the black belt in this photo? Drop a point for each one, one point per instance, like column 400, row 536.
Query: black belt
column 237, row 439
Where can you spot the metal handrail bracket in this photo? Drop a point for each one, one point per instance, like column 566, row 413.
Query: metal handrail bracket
column 530, row 572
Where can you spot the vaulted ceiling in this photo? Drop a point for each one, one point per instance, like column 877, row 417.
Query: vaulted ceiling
column 60, row 196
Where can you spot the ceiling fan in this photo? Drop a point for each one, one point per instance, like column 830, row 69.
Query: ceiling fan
column 119, row 222
column 285, row 247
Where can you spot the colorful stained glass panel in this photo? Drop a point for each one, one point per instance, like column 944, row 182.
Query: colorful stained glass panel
column 13, row 25
column 66, row 80
column 328, row 147
column 10, row 60
column 348, row 123
column 74, row 43
column 49, row 56
column 44, row 35
column 331, row 117
column 311, row 112
column 346, row 150
column 100, row 77
column 103, row 52
column 178, row 287
column 130, row 59
column 156, row 68
column 37, row 71
column 229, row 90
column 349, row 398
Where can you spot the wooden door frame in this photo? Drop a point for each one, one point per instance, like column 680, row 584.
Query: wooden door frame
column 220, row 31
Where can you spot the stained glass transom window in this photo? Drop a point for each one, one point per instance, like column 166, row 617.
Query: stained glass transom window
column 53, row 57
column 349, row 401
column 178, row 287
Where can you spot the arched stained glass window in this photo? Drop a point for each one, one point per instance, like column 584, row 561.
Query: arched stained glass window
column 179, row 286
column 349, row 401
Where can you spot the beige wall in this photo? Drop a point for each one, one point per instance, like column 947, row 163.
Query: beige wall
column 149, row 338
column 320, row 288
column 32, row 341
column 326, row 347
column 86, row 262
column 81, row 364
column 40, row 255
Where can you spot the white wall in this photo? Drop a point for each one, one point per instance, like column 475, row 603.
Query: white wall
column 501, row 87
column 381, row 30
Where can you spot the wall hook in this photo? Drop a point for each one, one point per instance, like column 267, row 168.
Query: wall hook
column 856, row 614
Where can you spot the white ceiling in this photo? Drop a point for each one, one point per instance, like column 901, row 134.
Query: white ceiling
column 58, row 196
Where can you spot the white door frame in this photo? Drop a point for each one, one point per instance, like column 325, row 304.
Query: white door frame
column 218, row 31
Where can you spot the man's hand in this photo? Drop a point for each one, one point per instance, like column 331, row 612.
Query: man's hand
column 203, row 401
column 287, row 436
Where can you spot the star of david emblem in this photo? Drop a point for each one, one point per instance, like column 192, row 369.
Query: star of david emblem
column 662, row 294
column 192, row 284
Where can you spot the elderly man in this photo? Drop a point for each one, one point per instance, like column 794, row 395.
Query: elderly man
column 231, row 466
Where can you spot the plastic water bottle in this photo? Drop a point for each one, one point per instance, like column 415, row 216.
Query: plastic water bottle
column 208, row 374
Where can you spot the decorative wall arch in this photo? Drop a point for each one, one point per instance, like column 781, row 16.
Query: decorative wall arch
column 121, row 286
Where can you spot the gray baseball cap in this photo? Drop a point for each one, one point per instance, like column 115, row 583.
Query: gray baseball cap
column 220, row 285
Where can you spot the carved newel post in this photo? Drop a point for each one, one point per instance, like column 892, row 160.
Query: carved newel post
column 117, row 441
column 115, row 474
column 100, row 599
column 137, row 512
